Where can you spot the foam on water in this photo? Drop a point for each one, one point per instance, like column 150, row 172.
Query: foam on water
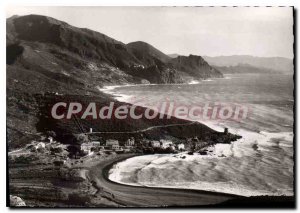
column 261, row 163
column 223, row 162
column 194, row 82
column 118, row 96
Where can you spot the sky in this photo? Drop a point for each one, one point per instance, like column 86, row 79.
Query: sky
column 210, row 31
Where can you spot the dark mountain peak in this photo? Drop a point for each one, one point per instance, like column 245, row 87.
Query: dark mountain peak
column 195, row 66
column 86, row 43
column 37, row 28
column 191, row 60
column 12, row 17
column 39, row 19
column 33, row 38
column 146, row 52
column 140, row 43
column 173, row 55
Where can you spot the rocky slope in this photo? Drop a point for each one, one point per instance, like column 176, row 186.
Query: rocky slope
column 154, row 66
column 59, row 47
column 192, row 64
column 147, row 53
column 48, row 58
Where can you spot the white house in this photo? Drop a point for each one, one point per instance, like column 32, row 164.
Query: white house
column 181, row 146
column 111, row 142
column 155, row 143
column 86, row 147
column 115, row 147
column 50, row 139
column 40, row 145
column 130, row 142
column 166, row 143
column 95, row 143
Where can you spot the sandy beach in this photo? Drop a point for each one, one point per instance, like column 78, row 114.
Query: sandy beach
column 135, row 196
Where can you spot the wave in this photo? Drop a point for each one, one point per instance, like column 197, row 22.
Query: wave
column 261, row 163
column 194, row 82
column 230, row 168
column 248, row 167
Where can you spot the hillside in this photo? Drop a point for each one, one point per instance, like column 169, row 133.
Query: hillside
column 154, row 66
column 48, row 58
column 174, row 55
column 147, row 53
column 192, row 65
column 58, row 47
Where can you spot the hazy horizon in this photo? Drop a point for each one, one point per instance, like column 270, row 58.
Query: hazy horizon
column 205, row 31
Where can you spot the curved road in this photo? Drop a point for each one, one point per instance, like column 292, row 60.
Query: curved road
column 137, row 196
column 144, row 130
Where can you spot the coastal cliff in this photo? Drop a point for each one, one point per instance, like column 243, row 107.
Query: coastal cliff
column 56, row 47
column 47, row 57
column 49, row 61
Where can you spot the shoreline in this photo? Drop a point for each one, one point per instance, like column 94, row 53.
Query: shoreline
column 184, row 197
column 131, row 178
column 248, row 136
column 124, row 98
column 140, row 196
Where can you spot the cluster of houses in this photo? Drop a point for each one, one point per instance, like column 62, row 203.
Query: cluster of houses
column 164, row 144
column 110, row 145
column 129, row 145
column 38, row 145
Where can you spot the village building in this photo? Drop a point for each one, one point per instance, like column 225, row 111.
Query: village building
column 115, row 147
column 130, row 142
column 155, row 144
column 40, row 145
column 86, row 147
column 95, row 143
column 112, row 144
column 166, row 143
column 181, row 146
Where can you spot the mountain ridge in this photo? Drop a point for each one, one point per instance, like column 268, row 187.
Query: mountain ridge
column 47, row 58
column 275, row 63
column 84, row 45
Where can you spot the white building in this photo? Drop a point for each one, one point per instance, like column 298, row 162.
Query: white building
column 40, row 145
column 155, row 143
column 112, row 144
column 86, row 147
column 181, row 146
column 130, row 142
column 166, row 143
column 95, row 143
column 115, row 147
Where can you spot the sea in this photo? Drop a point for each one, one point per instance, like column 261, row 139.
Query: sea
column 261, row 163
